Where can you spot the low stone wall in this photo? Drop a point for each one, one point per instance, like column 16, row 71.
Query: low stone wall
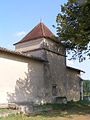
column 28, row 108
column 3, row 105
column 33, row 109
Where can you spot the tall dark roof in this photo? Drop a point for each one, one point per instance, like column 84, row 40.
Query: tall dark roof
column 39, row 31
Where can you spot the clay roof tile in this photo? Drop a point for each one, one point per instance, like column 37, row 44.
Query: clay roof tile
column 39, row 31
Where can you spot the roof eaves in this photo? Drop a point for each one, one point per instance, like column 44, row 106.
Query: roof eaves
column 75, row 69
column 21, row 54
column 52, row 38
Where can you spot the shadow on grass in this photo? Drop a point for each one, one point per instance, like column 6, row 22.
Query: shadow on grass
column 67, row 110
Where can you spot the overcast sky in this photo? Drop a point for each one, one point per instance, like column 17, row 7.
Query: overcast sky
column 18, row 17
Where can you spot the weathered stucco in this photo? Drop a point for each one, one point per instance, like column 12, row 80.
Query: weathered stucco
column 73, row 85
column 40, row 53
column 26, row 80
column 67, row 81
column 53, row 74
column 10, row 72
column 30, row 45
column 54, row 46
column 20, row 79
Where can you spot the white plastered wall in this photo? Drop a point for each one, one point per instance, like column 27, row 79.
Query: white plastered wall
column 21, row 80
column 10, row 72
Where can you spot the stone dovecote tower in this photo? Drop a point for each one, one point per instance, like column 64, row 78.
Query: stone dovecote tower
column 39, row 39
column 58, row 79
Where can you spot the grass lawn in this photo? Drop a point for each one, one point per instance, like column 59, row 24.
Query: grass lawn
column 70, row 111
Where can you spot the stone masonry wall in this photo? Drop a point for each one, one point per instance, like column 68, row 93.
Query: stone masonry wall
column 56, row 73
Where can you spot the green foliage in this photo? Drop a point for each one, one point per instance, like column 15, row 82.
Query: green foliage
column 86, row 87
column 73, row 27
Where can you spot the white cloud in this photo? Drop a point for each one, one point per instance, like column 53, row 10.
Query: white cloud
column 20, row 33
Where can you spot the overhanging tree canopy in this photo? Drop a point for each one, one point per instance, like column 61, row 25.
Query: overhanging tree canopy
column 73, row 27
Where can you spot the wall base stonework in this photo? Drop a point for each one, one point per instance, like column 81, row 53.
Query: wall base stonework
column 4, row 105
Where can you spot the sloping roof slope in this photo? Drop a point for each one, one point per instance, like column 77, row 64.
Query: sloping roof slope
column 75, row 69
column 39, row 31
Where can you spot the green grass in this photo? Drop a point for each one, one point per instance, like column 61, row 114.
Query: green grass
column 59, row 111
column 5, row 110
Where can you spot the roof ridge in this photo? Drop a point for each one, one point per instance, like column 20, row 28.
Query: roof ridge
column 42, row 29
column 39, row 31
column 29, row 32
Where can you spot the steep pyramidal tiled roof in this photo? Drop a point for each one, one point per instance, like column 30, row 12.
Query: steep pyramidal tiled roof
column 39, row 31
